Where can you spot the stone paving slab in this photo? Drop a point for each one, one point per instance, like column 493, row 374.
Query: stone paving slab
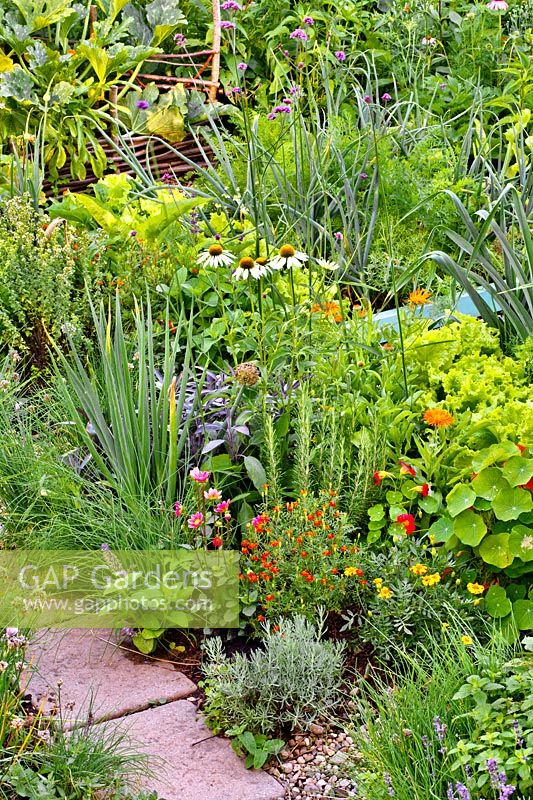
column 97, row 677
column 188, row 762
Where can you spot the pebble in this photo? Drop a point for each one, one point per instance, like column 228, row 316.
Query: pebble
column 317, row 764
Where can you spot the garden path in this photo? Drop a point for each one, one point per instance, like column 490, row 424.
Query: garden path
column 97, row 681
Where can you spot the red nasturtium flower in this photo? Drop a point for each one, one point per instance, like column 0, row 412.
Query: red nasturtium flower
column 408, row 522
column 217, row 541
column 528, row 485
column 379, row 475
column 423, row 490
column 407, row 469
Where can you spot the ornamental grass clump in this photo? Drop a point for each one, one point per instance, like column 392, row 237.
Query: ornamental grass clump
column 291, row 680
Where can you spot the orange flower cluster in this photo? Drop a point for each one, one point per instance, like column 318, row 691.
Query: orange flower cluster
column 296, row 555
column 329, row 309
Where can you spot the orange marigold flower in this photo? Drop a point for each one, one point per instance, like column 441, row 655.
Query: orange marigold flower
column 269, row 598
column 260, row 618
column 438, row 418
column 419, row 297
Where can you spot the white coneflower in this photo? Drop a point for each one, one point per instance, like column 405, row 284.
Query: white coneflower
column 428, row 41
column 289, row 258
column 215, row 256
column 248, row 268
column 325, row 264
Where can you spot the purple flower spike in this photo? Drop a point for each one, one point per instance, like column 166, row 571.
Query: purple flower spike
column 367, row 98
column 308, row 21
column 385, row 97
column 226, row 25
column 242, row 67
column 144, row 104
column 230, row 5
column 340, row 55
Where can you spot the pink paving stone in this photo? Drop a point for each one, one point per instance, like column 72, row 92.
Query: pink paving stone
column 188, row 762
column 97, row 675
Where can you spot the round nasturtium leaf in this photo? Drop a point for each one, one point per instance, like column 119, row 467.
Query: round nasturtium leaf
column 489, row 482
column 521, row 542
column 442, row 529
column 494, row 549
column 431, row 503
column 491, row 455
column 523, row 614
column 459, row 499
column 518, row 470
column 469, row 528
column 497, row 604
column 376, row 513
column 510, row 503
column 516, row 591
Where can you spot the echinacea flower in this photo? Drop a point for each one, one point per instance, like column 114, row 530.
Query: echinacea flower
column 142, row 104
column 438, row 418
column 212, row 494
column 475, row 588
column 247, row 374
column 195, row 520
column 222, row 507
column 326, row 264
column 408, row 522
column 419, row 297
column 248, row 268
column 199, row 475
column 497, row 5
column 215, row 256
column 288, row 257
column 428, row 41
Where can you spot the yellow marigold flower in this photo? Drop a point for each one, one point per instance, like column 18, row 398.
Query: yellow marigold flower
column 466, row 640
column 419, row 297
column 438, row 418
column 445, row 625
column 475, row 588
column 385, row 593
column 378, row 582
column 351, row 571
column 418, row 569
column 431, row 580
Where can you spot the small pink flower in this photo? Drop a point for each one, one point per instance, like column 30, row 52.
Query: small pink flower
column 299, row 33
column 242, row 66
column 198, row 475
column 195, row 520
column 308, row 21
column 385, row 97
column 222, row 507
column 340, row 55
column 212, row 494
column 178, row 508
column 338, row 236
